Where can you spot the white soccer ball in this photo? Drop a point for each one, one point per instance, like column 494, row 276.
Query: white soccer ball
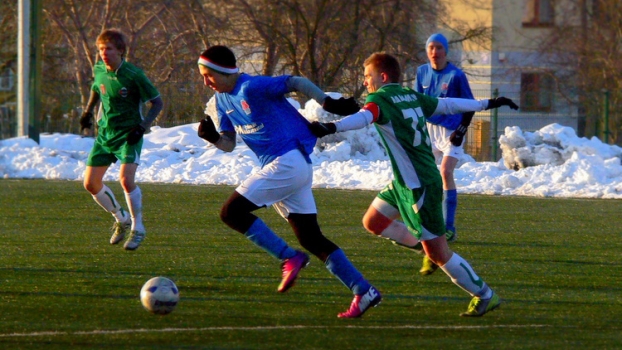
column 159, row 295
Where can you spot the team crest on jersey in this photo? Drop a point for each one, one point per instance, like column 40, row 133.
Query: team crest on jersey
column 123, row 92
column 444, row 86
column 102, row 89
column 246, row 107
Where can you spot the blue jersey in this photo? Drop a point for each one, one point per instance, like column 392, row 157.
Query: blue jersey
column 257, row 110
column 449, row 82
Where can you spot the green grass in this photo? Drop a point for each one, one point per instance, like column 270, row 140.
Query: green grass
column 555, row 263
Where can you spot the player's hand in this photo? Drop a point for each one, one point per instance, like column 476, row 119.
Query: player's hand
column 85, row 121
column 342, row 106
column 135, row 135
column 501, row 101
column 322, row 129
column 207, row 130
column 457, row 137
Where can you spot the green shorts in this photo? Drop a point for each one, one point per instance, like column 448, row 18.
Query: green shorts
column 421, row 208
column 106, row 152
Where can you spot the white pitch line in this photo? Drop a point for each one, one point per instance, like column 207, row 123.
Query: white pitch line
column 258, row 328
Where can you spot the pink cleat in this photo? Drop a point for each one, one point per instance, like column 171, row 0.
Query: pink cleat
column 291, row 267
column 362, row 303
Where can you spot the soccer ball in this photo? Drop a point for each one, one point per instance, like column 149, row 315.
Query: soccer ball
column 159, row 295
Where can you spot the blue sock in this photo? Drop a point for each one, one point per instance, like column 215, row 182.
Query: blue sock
column 450, row 204
column 263, row 237
column 339, row 265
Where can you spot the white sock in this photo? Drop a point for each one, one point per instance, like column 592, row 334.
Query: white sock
column 398, row 232
column 134, row 201
column 105, row 198
column 462, row 274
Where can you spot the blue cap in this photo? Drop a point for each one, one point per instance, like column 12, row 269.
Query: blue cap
column 438, row 37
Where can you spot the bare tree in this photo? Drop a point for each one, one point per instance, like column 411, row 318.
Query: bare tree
column 584, row 48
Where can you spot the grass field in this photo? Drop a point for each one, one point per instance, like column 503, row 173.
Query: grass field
column 554, row 262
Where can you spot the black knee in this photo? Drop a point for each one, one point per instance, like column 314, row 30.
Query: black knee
column 236, row 213
column 310, row 236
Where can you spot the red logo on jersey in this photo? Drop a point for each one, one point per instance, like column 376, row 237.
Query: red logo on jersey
column 246, row 107
column 102, row 89
column 444, row 86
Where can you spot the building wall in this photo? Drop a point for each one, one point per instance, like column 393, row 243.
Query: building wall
column 498, row 65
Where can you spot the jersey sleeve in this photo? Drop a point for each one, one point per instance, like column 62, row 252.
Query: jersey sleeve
column 268, row 87
column 146, row 88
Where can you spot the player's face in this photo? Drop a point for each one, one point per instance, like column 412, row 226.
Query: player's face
column 111, row 56
column 373, row 80
column 216, row 81
column 437, row 55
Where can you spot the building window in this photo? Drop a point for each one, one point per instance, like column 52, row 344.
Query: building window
column 536, row 92
column 538, row 13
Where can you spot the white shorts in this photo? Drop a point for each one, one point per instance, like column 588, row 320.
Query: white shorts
column 441, row 146
column 285, row 183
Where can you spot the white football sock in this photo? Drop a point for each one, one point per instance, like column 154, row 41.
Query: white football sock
column 462, row 274
column 105, row 198
column 134, row 201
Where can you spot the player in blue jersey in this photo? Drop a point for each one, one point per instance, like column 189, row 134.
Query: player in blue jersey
column 256, row 109
column 441, row 78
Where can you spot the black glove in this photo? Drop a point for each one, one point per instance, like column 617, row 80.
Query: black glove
column 85, row 121
column 342, row 106
column 457, row 137
column 501, row 101
column 135, row 134
column 322, row 129
column 207, row 130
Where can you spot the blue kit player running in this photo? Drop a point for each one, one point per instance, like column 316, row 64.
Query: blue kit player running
column 256, row 109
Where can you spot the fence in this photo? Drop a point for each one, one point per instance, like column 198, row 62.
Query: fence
column 482, row 141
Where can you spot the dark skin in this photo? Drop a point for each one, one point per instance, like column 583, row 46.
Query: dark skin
column 237, row 214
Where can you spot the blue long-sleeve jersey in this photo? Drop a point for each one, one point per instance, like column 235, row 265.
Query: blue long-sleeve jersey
column 448, row 82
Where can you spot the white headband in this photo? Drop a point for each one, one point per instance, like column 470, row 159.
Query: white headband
column 207, row 63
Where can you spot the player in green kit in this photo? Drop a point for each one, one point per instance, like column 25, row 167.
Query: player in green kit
column 416, row 193
column 122, row 88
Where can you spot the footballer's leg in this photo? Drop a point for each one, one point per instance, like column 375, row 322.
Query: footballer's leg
column 463, row 275
column 236, row 213
column 450, row 196
column 380, row 219
column 134, row 200
column 104, row 196
column 311, row 238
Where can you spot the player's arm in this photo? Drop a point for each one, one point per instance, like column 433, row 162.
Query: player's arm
column 367, row 115
column 224, row 140
column 341, row 106
column 156, row 107
column 86, row 120
column 461, row 105
column 139, row 130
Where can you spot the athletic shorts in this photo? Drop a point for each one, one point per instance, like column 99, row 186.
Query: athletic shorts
column 421, row 209
column 285, row 183
column 105, row 153
column 441, row 146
